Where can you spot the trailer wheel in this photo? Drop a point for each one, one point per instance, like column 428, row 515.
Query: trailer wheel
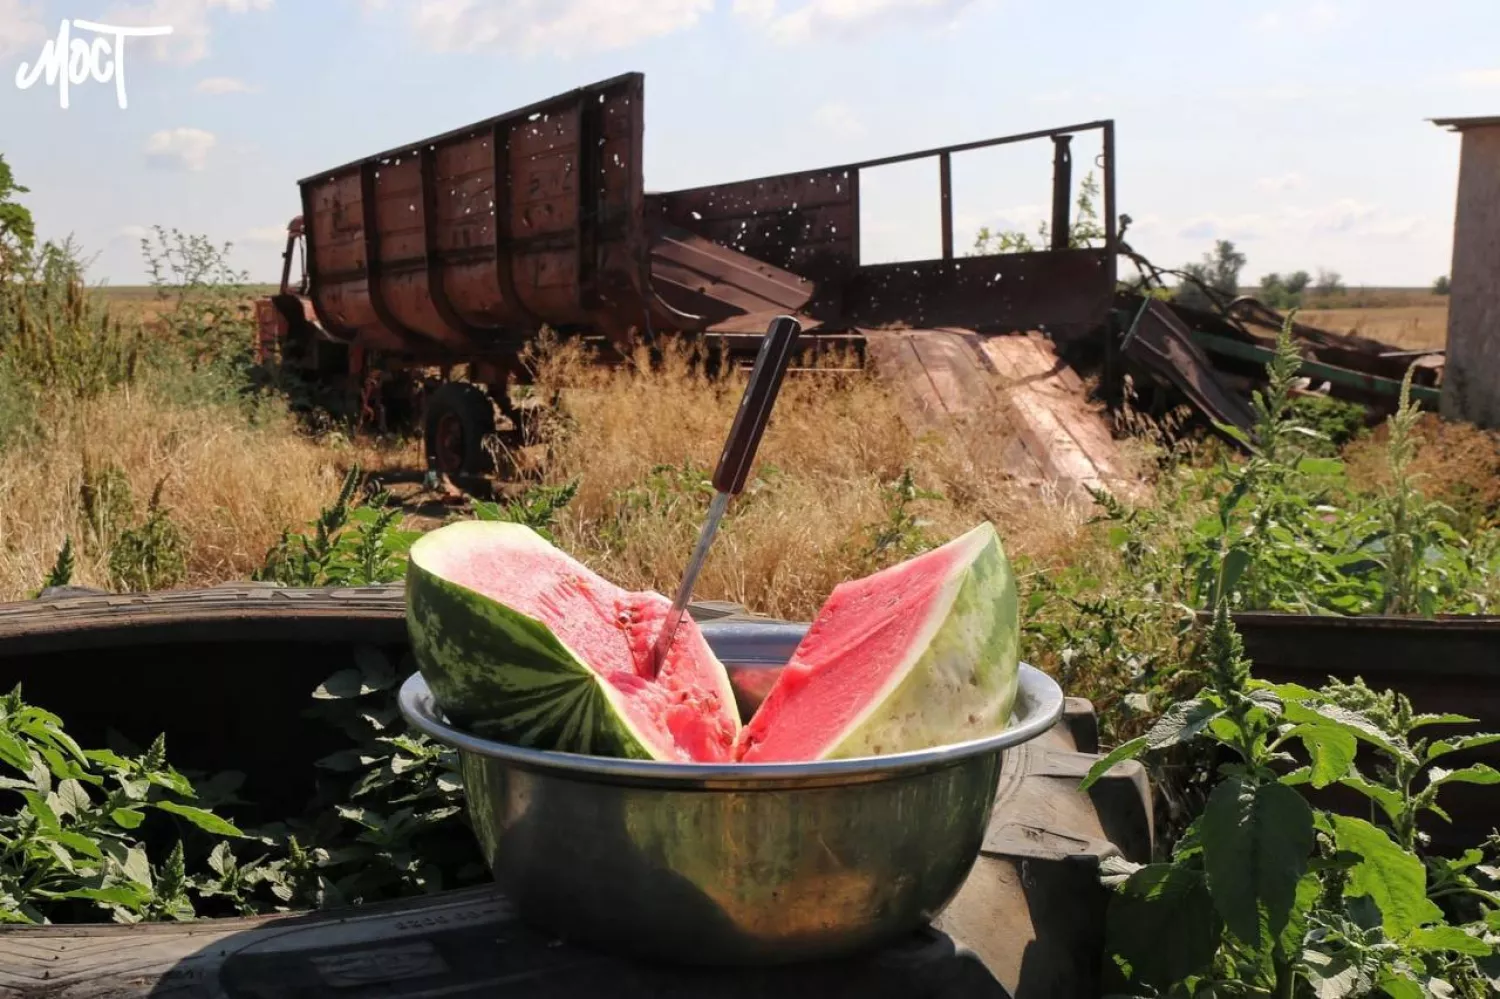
column 459, row 417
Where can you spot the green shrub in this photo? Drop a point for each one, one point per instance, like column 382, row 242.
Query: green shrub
column 151, row 555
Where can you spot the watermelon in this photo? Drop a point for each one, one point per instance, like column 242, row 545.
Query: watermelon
column 921, row 654
column 521, row 643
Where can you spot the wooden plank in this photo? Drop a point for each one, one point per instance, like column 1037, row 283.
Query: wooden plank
column 1068, row 437
column 894, row 357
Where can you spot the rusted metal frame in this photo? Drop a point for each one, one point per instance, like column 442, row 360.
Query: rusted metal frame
column 369, row 219
column 509, row 117
column 436, row 290
column 590, row 134
column 1364, row 381
column 311, row 266
column 286, row 262
column 961, row 147
column 945, row 182
column 1062, row 191
column 505, row 243
column 1113, row 374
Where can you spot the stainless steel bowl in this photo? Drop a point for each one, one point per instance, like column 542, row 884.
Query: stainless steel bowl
column 737, row 863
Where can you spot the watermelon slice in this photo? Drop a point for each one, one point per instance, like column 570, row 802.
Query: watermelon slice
column 521, row 643
column 921, row 654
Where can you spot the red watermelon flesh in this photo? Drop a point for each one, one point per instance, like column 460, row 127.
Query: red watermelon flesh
column 686, row 712
column 920, row 654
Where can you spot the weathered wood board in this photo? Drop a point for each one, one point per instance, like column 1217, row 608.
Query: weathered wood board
column 950, row 376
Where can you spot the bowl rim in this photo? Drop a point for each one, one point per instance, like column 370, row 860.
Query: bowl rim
column 1038, row 707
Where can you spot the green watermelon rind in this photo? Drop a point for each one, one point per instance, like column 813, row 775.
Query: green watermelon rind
column 971, row 639
column 504, row 675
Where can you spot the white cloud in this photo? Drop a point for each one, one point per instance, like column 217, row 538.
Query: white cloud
column 180, row 148
column 188, row 19
column 1300, row 17
column 266, row 234
column 822, row 19
column 1480, row 79
column 1281, row 182
column 224, row 85
column 1343, row 217
column 21, row 27
column 557, row 27
column 133, row 232
column 838, row 118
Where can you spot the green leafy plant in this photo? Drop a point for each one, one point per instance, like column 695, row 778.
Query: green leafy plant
column 1084, row 230
column 202, row 299
column 76, row 826
column 152, row 555
column 17, row 229
column 352, row 543
column 537, row 507
column 61, row 573
column 902, row 534
column 1266, row 895
column 388, row 819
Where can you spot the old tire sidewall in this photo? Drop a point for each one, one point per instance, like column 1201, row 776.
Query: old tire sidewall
column 458, row 418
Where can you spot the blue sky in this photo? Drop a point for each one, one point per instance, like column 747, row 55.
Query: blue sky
column 1296, row 129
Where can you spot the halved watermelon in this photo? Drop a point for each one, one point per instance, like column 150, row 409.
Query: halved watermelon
column 921, row 654
column 522, row 643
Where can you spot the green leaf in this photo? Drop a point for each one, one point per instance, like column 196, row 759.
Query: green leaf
column 1390, row 801
column 1422, row 721
column 1445, row 746
column 343, row 685
column 14, row 752
column 1181, row 722
column 1394, row 879
column 74, row 798
column 1479, row 773
column 1127, row 751
column 1334, row 976
column 221, row 858
column 137, row 867
column 1309, row 890
column 1256, row 843
column 1320, row 466
column 45, row 816
column 1235, row 563
column 79, row 843
column 127, row 818
column 1400, row 985
column 200, row 817
column 1163, row 924
column 1448, row 939
column 1301, row 710
column 115, row 895
column 1331, row 749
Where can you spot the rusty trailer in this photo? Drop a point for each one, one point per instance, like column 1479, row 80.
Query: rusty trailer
column 458, row 249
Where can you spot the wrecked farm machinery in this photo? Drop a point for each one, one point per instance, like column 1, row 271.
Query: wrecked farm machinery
column 451, row 254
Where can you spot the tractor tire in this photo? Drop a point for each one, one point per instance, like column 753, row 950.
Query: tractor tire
column 458, row 419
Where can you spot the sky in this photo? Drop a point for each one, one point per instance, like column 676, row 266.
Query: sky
column 1296, row 128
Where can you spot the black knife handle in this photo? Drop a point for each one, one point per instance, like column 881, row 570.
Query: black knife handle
column 755, row 406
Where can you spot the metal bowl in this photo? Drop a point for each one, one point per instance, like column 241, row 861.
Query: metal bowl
column 737, row 863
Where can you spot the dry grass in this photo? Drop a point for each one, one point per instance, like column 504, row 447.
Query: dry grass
column 833, row 447
column 231, row 487
column 1413, row 327
column 1456, row 463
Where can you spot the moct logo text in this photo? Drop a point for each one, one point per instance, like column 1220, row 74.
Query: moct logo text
column 66, row 60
